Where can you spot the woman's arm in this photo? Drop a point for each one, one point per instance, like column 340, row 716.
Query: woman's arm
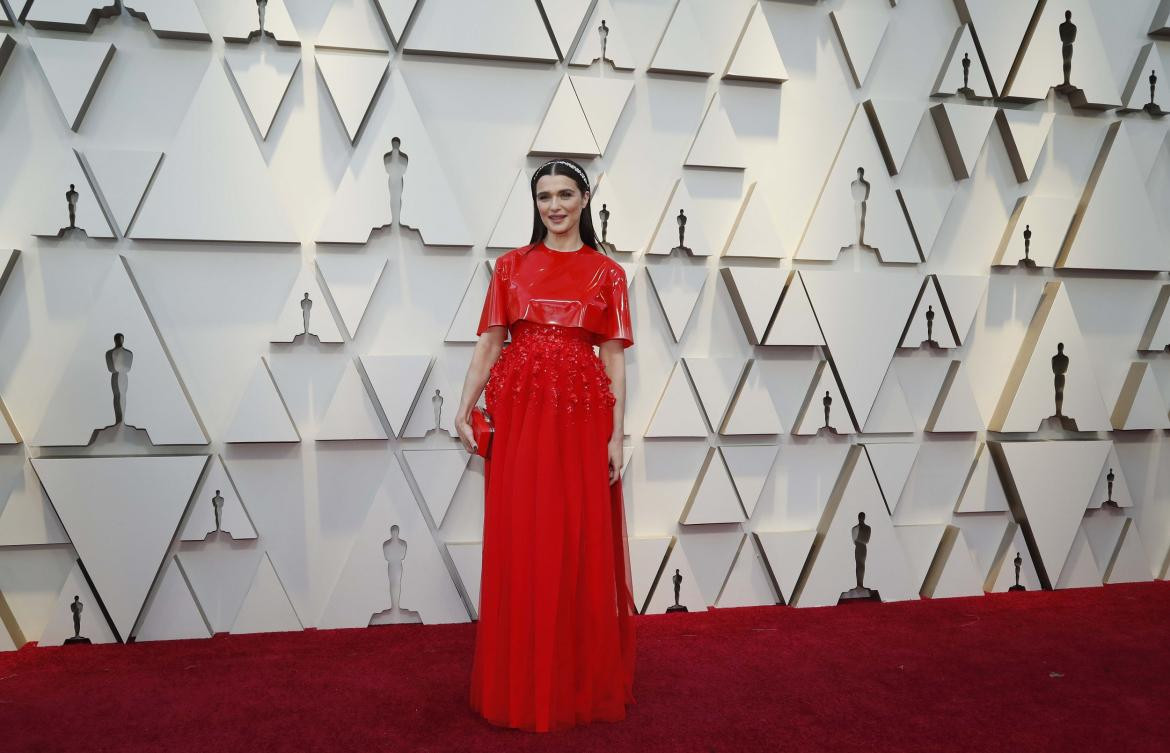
column 613, row 356
column 487, row 350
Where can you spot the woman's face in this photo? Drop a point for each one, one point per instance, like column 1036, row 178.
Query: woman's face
column 560, row 203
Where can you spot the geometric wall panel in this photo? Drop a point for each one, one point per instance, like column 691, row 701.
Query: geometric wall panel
column 1002, row 576
column 261, row 414
column 122, row 176
column 170, row 19
column 1001, row 26
column 565, row 129
column 795, row 322
column 959, row 574
column 121, row 514
column 393, row 551
column 677, row 285
column 1024, row 134
column 1036, row 231
column 1156, row 336
column 352, row 80
column 753, row 411
column 963, row 130
column 220, row 574
column 858, row 202
column 564, row 19
column 749, row 466
column 755, row 57
column 217, row 493
column 150, row 391
column 266, row 607
column 213, row 148
column 692, row 209
column 351, row 413
column 833, row 568
column 716, row 380
column 676, row 414
column 1111, row 485
column 26, row 516
column 962, row 71
column 748, row 583
column 1140, row 404
column 861, row 315
column 352, row 25
column 1028, row 396
column 603, row 100
column 468, row 559
column 60, row 623
column 1052, row 482
column 662, row 596
column 242, row 22
column 506, row 29
column 711, row 553
column 306, row 315
column 396, row 14
column 1117, row 226
column 715, row 144
column 983, row 491
column 351, row 279
column 895, row 123
column 681, row 48
column 890, row 413
column 824, row 408
column 617, row 50
column 1041, row 62
column 62, row 181
column 362, row 201
column 754, row 294
column 754, row 233
column 438, row 474
column 74, row 69
column 514, row 226
column 172, row 613
column 64, row 15
column 860, row 30
column 1139, row 93
column 786, row 552
column 396, row 380
column 263, row 77
column 714, row 499
column 1081, row 569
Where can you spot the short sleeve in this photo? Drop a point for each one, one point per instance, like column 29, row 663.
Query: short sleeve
column 495, row 303
column 617, row 311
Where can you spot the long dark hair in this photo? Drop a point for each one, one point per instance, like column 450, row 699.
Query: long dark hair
column 561, row 166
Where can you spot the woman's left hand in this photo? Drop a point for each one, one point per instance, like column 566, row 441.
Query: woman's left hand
column 615, row 460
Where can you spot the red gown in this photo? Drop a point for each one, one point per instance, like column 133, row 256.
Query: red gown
column 554, row 646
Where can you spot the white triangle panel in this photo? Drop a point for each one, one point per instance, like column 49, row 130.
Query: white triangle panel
column 172, row 614
column 261, row 415
column 352, row 80
column 682, row 48
column 121, row 514
column 233, row 518
column 263, row 77
column 266, row 607
column 748, row 583
column 60, row 624
column 74, row 70
column 122, row 176
column 786, row 552
column 396, row 380
column 755, row 57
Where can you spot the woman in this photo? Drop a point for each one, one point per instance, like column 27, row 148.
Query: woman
column 555, row 641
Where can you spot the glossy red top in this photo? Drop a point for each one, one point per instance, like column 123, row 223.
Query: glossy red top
column 582, row 288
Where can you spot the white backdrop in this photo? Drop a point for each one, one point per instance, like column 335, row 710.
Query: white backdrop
column 221, row 177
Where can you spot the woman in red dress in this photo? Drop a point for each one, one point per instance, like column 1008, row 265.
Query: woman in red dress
column 555, row 641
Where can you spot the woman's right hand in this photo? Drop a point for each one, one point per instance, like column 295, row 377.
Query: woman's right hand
column 463, row 427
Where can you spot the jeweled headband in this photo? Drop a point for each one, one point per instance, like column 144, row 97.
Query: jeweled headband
column 566, row 163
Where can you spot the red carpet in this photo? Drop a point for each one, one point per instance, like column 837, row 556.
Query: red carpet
column 1078, row 670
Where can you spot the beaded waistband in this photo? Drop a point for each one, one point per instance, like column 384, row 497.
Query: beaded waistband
column 523, row 329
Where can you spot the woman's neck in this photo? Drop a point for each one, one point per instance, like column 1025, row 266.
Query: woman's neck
column 570, row 241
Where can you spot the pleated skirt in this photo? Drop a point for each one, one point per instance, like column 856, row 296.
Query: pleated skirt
column 555, row 639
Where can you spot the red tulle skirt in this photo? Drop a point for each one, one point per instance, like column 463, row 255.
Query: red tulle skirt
column 554, row 646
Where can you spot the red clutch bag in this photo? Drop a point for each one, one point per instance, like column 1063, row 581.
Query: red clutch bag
column 482, row 431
